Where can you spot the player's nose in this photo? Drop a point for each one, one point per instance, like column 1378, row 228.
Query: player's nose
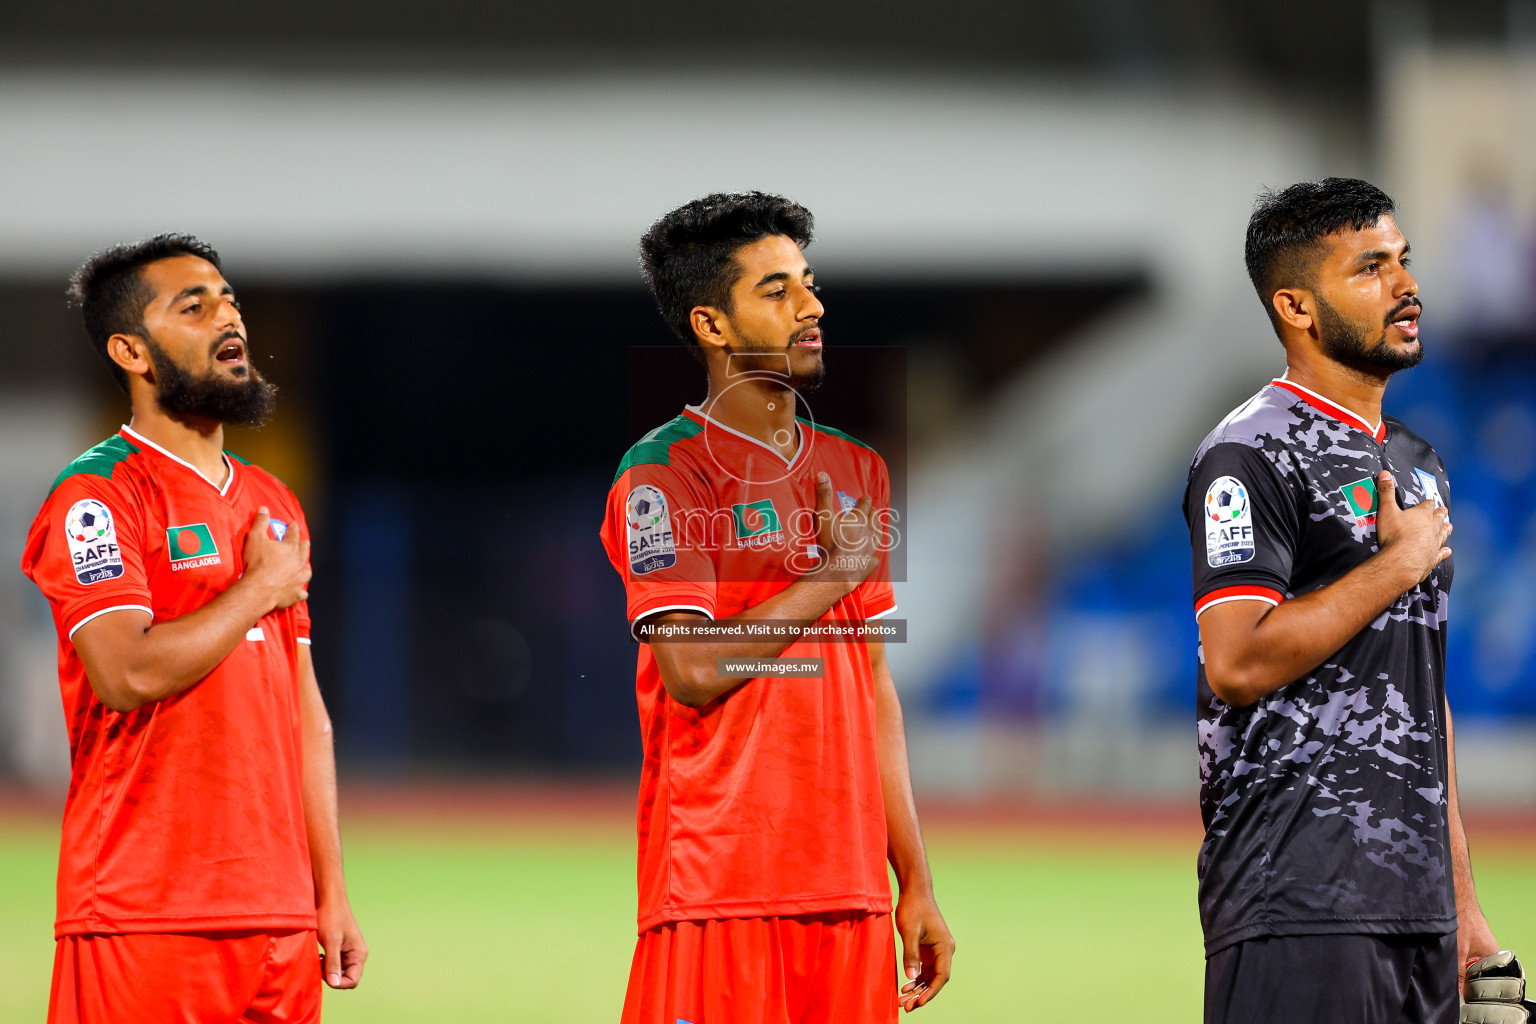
column 811, row 307
column 229, row 315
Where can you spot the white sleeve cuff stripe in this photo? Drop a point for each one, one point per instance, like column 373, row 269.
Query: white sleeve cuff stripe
column 103, row 611
column 881, row 615
column 302, row 639
column 708, row 613
column 1237, row 597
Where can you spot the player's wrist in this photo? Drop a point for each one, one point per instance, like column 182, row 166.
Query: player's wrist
column 1398, row 568
column 331, row 892
column 828, row 582
column 256, row 596
column 336, row 900
column 914, row 881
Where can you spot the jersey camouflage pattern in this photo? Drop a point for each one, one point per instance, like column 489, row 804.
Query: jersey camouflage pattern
column 1325, row 803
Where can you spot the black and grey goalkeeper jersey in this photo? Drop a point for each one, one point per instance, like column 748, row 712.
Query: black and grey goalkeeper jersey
column 1325, row 802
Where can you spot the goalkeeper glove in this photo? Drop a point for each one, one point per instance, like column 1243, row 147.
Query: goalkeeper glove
column 1496, row 984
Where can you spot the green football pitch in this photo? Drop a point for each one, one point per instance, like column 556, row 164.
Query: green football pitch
column 521, row 920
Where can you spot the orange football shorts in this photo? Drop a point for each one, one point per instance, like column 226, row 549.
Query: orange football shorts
column 239, row 977
column 836, row 968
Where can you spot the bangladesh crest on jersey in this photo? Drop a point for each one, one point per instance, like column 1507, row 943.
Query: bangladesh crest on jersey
column 187, row 543
column 755, row 519
column 1360, row 496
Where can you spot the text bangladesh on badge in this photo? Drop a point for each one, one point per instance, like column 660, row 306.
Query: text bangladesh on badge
column 1228, row 523
column 93, row 550
column 650, row 531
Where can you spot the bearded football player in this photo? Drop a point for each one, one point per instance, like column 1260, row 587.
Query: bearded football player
column 769, row 806
column 200, row 873
column 1335, row 884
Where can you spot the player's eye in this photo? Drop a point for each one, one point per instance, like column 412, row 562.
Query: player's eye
column 776, row 295
column 1371, row 268
column 193, row 308
column 814, row 289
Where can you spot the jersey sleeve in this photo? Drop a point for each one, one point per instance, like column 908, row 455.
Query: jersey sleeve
column 655, row 532
column 875, row 595
column 1243, row 527
column 85, row 551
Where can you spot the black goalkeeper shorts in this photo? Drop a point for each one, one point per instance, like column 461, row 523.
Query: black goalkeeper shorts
column 1334, row 979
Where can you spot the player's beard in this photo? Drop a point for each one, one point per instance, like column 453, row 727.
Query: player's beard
column 758, row 356
column 244, row 402
column 1349, row 343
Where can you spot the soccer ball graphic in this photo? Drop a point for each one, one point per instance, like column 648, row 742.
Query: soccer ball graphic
column 647, row 507
column 89, row 521
column 1226, row 501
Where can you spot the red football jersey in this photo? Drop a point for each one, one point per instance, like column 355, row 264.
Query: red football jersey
column 766, row 801
column 186, row 814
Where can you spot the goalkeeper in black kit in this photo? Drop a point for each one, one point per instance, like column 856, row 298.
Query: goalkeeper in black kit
column 1335, row 881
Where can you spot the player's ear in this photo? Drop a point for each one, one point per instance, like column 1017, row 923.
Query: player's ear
column 1294, row 307
column 129, row 352
column 710, row 327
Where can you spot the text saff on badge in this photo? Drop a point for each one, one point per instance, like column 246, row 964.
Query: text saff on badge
column 93, row 551
column 1228, row 523
column 651, row 546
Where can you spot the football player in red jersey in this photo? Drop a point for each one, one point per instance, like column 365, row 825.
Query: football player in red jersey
column 200, row 863
column 769, row 806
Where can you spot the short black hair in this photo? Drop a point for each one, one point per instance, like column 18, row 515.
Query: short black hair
column 1286, row 231
column 110, row 290
column 688, row 256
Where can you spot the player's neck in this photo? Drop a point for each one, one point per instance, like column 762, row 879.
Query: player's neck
column 197, row 442
column 761, row 409
column 1342, row 385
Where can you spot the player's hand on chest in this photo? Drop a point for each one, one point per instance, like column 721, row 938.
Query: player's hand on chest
column 197, row 542
column 1342, row 526
column 773, row 527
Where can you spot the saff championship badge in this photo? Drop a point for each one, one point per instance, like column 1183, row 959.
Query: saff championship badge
column 651, row 546
column 1228, row 523
column 93, row 549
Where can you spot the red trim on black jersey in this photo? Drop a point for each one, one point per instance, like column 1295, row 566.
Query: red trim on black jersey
column 1269, row 594
column 1338, row 412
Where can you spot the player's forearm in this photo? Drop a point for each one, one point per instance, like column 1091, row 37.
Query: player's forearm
column 131, row 664
column 321, row 819
column 690, row 670
column 1296, row 637
column 321, row 816
column 904, row 837
column 1461, row 857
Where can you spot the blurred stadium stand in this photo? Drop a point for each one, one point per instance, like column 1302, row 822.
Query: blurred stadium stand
column 431, row 215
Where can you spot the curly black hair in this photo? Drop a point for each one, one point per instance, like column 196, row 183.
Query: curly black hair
column 110, row 290
column 688, row 256
column 1286, row 231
